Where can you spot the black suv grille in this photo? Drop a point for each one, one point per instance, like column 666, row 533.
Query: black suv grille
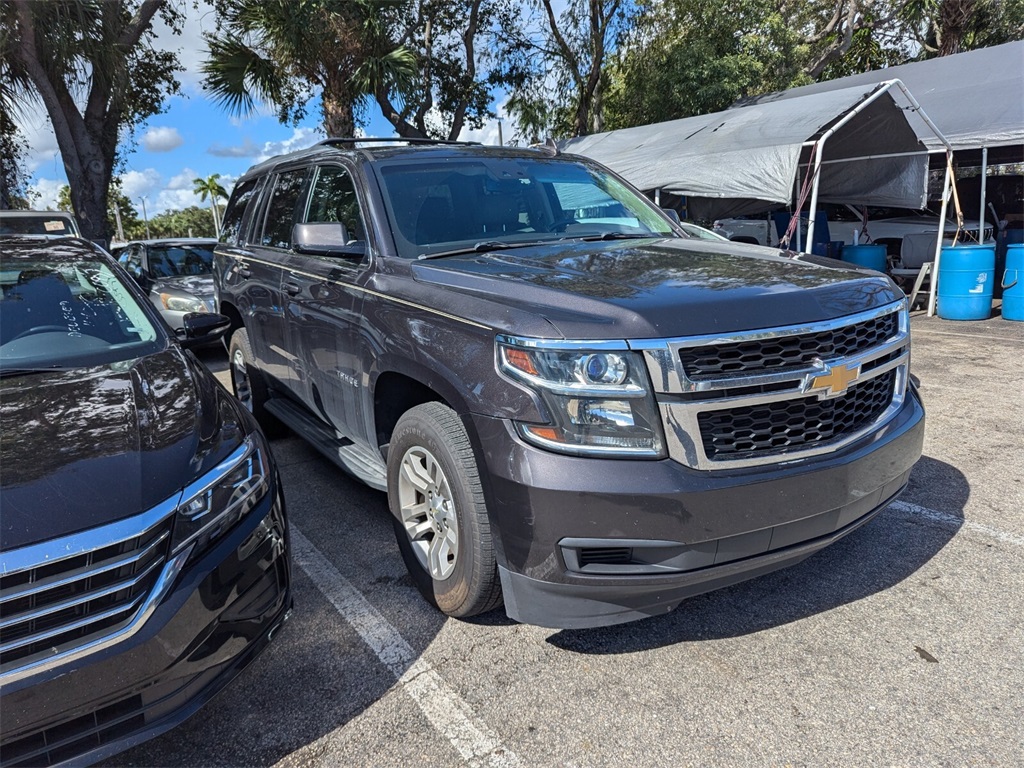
column 760, row 355
column 762, row 430
column 57, row 606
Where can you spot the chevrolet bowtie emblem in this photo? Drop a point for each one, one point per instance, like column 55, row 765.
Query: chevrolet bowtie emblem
column 835, row 379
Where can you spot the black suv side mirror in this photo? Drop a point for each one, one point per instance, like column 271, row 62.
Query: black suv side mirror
column 672, row 213
column 326, row 238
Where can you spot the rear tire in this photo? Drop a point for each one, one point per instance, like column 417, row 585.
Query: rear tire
column 439, row 514
column 248, row 384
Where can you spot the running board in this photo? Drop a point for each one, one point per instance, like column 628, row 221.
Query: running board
column 357, row 461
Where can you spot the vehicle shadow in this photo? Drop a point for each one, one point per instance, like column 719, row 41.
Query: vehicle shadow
column 883, row 553
column 318, row 674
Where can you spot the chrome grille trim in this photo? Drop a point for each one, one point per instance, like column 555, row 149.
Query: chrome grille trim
column 133, row 609
column 681, row 400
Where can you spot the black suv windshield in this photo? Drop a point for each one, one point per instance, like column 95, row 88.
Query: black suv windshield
column 180, row 260
column 458, row 203
column 66, row 313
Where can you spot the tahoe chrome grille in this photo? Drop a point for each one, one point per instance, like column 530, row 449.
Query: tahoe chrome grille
column 779, row 394
column 758, row 355
column 63, row 596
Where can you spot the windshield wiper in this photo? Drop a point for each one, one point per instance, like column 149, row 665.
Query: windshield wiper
column 620, row 236
column 485, row 246
column 5, row 372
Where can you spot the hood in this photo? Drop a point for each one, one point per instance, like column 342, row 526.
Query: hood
column 88, row 446
column 200, row 286
column 659, row 288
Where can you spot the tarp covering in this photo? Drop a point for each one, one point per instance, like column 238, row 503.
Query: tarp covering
column 755, row 152
column 975, row 98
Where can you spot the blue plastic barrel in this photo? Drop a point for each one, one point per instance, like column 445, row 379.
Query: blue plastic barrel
column 870, row 256
column 966, row 277
column 1013, row 283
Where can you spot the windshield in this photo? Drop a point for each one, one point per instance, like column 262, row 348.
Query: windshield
column 55, row 225
column 438, row 206
column 180, row 260
column 65, row 313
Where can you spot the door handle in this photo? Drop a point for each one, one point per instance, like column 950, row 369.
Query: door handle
column 292, row 288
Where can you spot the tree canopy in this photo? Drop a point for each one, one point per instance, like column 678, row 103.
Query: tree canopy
column 93, row 67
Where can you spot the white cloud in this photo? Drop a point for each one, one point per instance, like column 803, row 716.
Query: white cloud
column 189, row 44
column 47, row 190
column 138, row 183
column 489, row 133
column 247, row 148
column 183, row 180
column 162, row 139
column 178, row 194
column 301, row 138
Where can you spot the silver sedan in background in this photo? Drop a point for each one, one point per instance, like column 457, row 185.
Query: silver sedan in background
column 176, row 273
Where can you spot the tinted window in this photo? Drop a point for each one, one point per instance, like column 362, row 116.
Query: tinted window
column 240, row 198
column 180, row 260
column 334, row 199
column 277, row 231
column 29, row 224
column 436, row 207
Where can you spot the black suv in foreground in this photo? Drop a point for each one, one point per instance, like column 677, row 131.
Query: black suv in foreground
column 573, row 406
column 143, row 544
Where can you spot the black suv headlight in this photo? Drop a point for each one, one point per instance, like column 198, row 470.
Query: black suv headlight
column 217, row 501
column 599, row 399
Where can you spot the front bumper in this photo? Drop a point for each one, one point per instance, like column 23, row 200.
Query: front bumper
column 221, row 613
column 592, row 542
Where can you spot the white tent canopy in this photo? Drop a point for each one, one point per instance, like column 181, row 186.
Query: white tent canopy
column 755, row 152
column 976, row 98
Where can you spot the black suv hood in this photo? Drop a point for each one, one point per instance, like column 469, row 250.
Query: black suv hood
column 88, row 446
column 657, row 288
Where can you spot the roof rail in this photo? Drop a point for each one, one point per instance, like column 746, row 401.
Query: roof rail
column 393, row 139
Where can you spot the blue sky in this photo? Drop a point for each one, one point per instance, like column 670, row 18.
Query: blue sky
column 194, row 137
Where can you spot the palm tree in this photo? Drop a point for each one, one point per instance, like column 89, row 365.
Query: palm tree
column 212, row 187
column 278, row 52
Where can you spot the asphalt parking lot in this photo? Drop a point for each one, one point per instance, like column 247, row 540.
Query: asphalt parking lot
column 901, row 645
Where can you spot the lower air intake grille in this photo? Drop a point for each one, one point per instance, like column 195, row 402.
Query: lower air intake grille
column 761, row 430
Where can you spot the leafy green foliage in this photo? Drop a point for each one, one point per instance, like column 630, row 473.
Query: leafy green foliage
column 187, row 222
column 94, row 68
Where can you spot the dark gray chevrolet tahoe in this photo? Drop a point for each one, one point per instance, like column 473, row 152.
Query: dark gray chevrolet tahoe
column 574, row 407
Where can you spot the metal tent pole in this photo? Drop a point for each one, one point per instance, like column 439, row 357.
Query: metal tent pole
column 813, row 212
column 942, row 231
column 981, row 207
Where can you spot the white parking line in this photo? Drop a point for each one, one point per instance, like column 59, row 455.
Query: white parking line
column 952, row 521
column 440, row 703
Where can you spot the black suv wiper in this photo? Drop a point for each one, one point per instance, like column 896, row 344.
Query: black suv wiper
column 484, row 246
column 5, row 372
column 621, row 236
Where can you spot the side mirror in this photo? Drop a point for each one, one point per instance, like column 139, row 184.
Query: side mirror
column 672, row 213
column 326, row 238
column 202, row 328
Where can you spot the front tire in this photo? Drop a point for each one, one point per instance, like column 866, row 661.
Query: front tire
column 439, row 514
column 248, row 384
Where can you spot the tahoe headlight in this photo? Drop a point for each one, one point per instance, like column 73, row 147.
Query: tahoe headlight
column 216, row 502
column 600, row 401
column 182, row 303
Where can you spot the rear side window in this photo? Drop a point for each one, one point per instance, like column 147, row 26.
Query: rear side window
column 334, row 199
column 277, row 230
column 240, row 199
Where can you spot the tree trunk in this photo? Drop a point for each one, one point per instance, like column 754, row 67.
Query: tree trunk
column 88, row 139
column 338, row 106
